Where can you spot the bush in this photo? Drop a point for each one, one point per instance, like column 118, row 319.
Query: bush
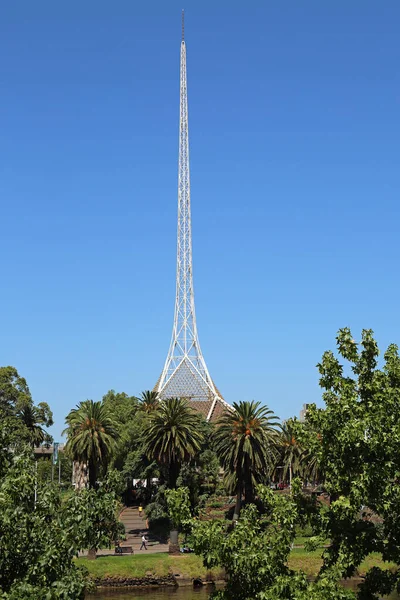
column 304, row 531
column 215, row 504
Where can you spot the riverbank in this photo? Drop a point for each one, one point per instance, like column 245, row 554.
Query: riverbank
column 158, row 565
column 165, row 569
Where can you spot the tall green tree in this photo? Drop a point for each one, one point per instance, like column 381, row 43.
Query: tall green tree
column 290, row 451
column 357, row 448
column 172, row 435
column 41, row 535
column 34, row 418
column 14, row 391
column 16, row 401
column 124, row 411
column 245, row 442
column 255, row 553
column 91, row 436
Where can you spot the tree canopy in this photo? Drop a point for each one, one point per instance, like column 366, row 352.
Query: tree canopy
column 245, row 441
column 92, row 433
column 172, row 435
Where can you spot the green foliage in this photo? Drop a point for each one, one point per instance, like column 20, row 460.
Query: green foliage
column 354, row 443
column 245, row 442
column 178, row 507
column 90, row 516
column 124, row 412
column 91, row 432
column 171, row 436
column 16, row 401
column 254, row 552
column 14, row 391
column 290, row 451
column 40, row 539
column 200, row 476
column 357, row 447
column 149, row 401
column 36, row 550
column 33, row 417
column 157, row 514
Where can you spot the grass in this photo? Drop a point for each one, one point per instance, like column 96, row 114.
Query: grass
column 310, row 562
column 161, row 564
column 300, row 540
column 190, row 565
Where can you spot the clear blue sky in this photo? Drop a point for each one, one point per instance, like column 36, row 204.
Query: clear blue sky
column 294, row 128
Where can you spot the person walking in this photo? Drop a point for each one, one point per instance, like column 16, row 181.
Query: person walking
column 144, row 540
column 140, row 511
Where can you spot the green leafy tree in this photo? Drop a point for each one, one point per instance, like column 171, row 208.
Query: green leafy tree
column 40, row 535
column 254, row 552
column 354, row 443
column 200, row 476
column 178, row 513
column 91, row 436
column 245, row 442
column 36, row 551
column 357, row 448
column 16, row 400
column 308, row 439
column 123, row 410
column 172, row 436
column 14, row 391
column 178, row 506
column 97, row 525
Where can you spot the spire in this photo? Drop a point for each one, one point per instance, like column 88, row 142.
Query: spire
column 185, row 373
column 183, row 24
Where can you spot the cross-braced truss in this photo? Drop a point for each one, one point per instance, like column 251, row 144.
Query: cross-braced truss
column 185, row 372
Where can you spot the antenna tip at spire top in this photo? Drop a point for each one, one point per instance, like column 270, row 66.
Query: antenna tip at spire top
column 183, row 24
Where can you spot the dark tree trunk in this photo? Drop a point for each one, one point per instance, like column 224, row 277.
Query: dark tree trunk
column 92, row 475
column 173, row 474
column 248, row 484
column 248, row 492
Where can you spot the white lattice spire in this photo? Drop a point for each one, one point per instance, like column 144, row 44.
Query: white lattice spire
column 185, row 372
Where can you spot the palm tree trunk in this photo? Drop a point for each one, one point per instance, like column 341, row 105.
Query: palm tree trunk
column 173, row 474
column 290, row 475
column 248, row 491
column 92, row 475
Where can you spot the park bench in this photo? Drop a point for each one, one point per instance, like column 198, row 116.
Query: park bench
column 123, row 550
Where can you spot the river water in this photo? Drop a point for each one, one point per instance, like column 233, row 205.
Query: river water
column 171, row 593
column 168, row 593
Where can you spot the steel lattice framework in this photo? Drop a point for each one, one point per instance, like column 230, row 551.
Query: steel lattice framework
column 185, row 372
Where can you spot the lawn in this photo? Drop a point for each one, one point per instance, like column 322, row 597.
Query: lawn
column 190, row 565
column 160, row 564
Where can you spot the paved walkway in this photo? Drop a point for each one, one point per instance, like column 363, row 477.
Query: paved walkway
column 135, row 527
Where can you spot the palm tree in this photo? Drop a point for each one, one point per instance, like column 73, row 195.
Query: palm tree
column 91, row 436
column 148, row 401
column 291, row 451
column 36, row 433
column 245, row 442
column 33, row 417
column 311, row 469
column 172, row 435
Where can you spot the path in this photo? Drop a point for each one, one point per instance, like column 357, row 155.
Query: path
column 135, row 527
